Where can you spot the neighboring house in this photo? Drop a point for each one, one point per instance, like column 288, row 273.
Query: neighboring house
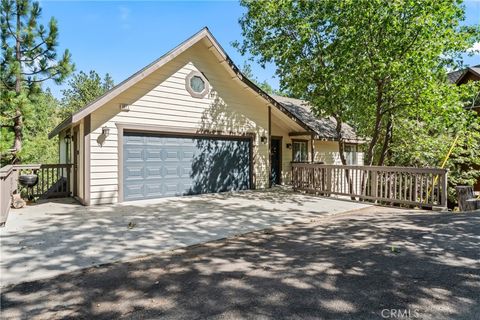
column 190, row 123
column 463, row 76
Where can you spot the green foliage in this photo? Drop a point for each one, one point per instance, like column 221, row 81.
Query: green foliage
column 40, row 118
column 28, row 58
column 36, row 59
column 83, row 89
column 38, row 124
column 423, row 139
column 361, row 61
column 379, row 65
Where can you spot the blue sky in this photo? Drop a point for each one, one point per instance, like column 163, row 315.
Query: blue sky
column 120, row 37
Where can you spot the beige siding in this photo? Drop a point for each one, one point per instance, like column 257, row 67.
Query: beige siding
column 327, row 152
column 163, row 101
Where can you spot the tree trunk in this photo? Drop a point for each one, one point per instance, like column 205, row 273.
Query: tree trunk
column 17, row 120
column 341, row 150
column 386, row 141
column 17, row 142
column 377, row 127
column 341, row 143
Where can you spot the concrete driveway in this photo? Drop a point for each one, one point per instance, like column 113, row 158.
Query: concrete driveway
column 375, row 263
column 47, row 239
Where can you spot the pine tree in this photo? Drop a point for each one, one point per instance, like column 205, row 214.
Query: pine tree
column 82, row 89
column 28, row 58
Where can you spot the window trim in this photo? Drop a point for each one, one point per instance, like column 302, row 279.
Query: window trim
column 293, row 150
column 354, row 153
column 188, row 86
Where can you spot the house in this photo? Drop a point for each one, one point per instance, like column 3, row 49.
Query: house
column 463, row 76
column 190, row 123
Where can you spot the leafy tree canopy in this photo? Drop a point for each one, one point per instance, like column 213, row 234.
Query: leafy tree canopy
column 364, row 61
column 381, row 66
column 28, row 58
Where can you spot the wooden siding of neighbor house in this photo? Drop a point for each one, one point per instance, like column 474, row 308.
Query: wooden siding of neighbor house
column 162, row 100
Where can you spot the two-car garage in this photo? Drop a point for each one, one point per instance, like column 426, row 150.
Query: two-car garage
column 171, row 164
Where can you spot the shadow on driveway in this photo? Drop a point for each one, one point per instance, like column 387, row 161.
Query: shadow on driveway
column 47, row 239
column 351, row 266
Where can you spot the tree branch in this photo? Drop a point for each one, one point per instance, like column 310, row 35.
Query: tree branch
column 37, row 72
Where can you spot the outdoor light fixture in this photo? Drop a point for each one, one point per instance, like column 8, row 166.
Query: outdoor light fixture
column 124, row 107
column 105, row 131
column 289, row 146
column 102, row 137
column 263, row 139
column 67, row 138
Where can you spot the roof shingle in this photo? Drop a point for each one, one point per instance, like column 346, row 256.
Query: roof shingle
column 323, row 127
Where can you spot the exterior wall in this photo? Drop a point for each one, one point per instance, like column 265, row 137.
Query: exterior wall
column 161, row 100
column 327, row 152
column 62, row 148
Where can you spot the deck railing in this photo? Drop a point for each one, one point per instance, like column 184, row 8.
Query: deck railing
column 8, row 185
column 422, row 187
column 53, row 182
column 53, row 179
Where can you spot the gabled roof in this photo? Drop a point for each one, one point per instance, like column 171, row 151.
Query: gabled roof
column 320, row 127
column 155, row 65
column 457, row 75
column 324, row 128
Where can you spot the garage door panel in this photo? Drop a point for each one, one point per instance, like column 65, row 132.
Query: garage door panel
column 133, row 154
column 170, row 166
column 134, row 191
column 134, row 173
column 134, row 140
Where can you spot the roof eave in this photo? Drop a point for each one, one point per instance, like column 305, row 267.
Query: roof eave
column 465, row 73
column 63, row 125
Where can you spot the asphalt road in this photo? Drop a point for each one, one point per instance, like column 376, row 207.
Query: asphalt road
column 376, row 263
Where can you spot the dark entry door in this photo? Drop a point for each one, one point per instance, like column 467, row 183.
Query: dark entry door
column 157, row 165
column 275, row 160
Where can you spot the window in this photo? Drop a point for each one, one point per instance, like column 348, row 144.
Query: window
column 196, row 84
column 300, row 151
column 351, row 154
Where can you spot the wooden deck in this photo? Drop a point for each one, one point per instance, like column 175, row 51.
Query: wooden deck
column 422, row 187
column 53, row 182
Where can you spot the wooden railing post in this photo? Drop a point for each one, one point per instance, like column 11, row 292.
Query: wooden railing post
column 444, row 190
column 374, row 182
column 394, row 185
column 329, row 180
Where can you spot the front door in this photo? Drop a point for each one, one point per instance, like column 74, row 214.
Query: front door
column 275, row 160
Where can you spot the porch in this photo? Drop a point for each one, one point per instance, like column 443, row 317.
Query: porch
column 53, row 181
